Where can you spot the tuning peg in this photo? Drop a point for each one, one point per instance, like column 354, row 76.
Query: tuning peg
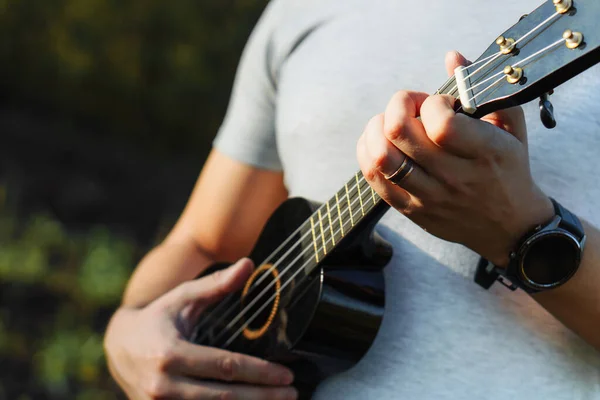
column 547, row 111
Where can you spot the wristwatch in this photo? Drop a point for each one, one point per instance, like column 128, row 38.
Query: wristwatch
column 545, row 258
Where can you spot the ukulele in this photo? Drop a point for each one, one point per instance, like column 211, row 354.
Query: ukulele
column 316, row 301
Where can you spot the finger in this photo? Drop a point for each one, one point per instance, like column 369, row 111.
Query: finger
column 386, row 158
column 459, row 134
column 210, row 288
column 407, row 133
column 511, row 120
column 454, row 59
column 213, row 363
column 186, row 388
column 393, row 195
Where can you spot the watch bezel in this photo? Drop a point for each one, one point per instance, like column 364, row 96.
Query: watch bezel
column 534, row 239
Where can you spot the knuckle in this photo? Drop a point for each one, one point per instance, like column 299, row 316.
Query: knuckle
column 185, row 288
column 489, row 160
column 371, row 173
column 394, row 122
column 442, row 131
column 448, row 178
column 408, row 210
column 379, row 159
column 401, row 99
column 166, row 357
column 218, row 280
column 227, row 367
column 157, row 387
column 393, row 130
column 411, row 208
column 375, row 121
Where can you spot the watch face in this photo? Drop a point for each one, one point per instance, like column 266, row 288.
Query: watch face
column 550, row 258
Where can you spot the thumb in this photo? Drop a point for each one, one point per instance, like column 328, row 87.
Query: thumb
column 210, row 288
column 511, row 120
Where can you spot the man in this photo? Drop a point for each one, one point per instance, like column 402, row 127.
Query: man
column 312, row 74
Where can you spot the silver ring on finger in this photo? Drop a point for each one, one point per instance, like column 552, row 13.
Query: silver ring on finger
column 403, row 171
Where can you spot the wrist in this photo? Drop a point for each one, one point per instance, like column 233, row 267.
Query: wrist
column 539, row 211
column 545, row 257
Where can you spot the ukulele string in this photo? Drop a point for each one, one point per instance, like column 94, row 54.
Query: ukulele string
column 486, row 61
column 223, row 303
column 493, row 57
column 322, row 234
column 283, row 286
column 295, row 246
column 267, row 260
column 368, row 198
column 336, row 219
column 490, row 59
column 255, row 315
column 255, row 284
column 270, row 285
column 520, row 63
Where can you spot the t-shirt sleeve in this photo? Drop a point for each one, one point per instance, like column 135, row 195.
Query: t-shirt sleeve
column 247, row 133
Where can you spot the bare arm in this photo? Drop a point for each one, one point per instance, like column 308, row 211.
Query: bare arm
column 577, row 303
column 224, row 216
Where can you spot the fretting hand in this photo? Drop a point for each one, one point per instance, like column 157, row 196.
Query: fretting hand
column 471, row 181
column 150, row 357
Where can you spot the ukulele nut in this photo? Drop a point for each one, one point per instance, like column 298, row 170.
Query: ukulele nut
column 513, row 75
column 562, row 6
column 507, row 45
column 573, row 39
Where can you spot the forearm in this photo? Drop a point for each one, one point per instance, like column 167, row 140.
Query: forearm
column 162, row 269
column 577, row 303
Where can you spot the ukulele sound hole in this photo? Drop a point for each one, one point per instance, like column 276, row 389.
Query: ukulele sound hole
column 261, row 298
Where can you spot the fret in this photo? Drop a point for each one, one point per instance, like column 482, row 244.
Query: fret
column 312, row 228
column 362, row 208
column 449, row 87
column 322, row 233
column 337, row 202
column 349, row 205
column 330, row 224
column 346, row 223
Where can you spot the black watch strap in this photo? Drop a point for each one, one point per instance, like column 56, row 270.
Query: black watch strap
column 568, row 220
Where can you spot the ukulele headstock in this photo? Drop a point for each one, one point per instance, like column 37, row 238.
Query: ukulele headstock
column 557, row 41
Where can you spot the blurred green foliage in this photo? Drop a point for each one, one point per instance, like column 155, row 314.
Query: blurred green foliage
column 58, row 287
column 153, row 71
column 155, row 74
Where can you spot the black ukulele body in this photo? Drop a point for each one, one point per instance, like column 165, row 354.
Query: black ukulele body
column 317, row 320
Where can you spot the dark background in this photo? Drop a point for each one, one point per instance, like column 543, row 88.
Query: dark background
column 107, row 112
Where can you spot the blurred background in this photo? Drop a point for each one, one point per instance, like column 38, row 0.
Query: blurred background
column 107, row 112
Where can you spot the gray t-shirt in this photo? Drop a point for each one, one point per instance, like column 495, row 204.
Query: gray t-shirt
column 312, row 74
